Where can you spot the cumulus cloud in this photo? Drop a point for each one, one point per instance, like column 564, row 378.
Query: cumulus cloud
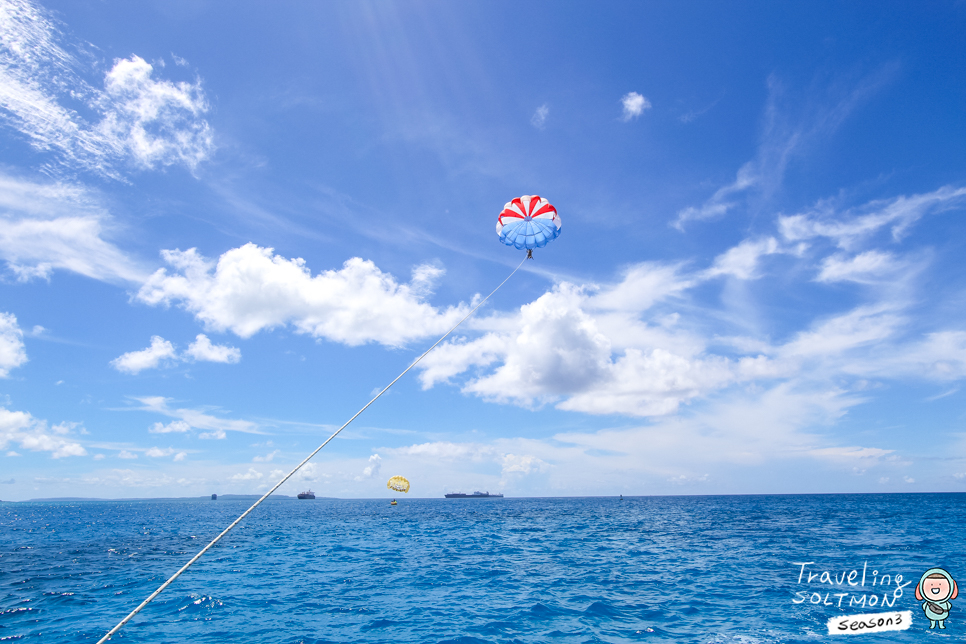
column 20, row 428
column 136, row 361
column 555, row 350
column 251, row 475
column 203, row 350
column 250, row 289
column 162, row 352
column 157, row 452
column 133, row 117
column 154, row 122
column 372, row 468
column 175, row 426
column 639, row 346
column 12, row 350
column 50, row 226
column 634, row 105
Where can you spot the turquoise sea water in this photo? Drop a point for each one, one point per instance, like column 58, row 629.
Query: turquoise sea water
column 645, row 569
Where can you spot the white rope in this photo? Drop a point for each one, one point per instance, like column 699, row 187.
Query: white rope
column 297, row 468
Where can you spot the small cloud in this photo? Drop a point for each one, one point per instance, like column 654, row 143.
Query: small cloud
column 216, row 434
column 175, row 426
column 539, row 118
column 12, row 453
column 265, row 459
column 883, row 480
column 126, row 454
column 12, row 351
column 251, row 475
column 372, row 469
column 156, row 452
column 98, row 457
column 180, row 456
column 203, row 349
column 135, row 361
column 524, row 464
column 634, row 105
column 908, row 479
column 8, row 482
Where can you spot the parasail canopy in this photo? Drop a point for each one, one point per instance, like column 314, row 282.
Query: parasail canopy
column 528, row 222
column 398, row 483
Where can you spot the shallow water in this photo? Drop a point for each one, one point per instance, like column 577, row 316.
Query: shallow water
column 646, row 569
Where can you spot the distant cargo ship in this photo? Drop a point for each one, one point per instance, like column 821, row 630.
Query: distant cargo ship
column 308, row 494
column 475, row 495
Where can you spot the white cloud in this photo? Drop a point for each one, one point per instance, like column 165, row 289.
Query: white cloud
column 723, row 200
column 539, row 118
column 557, row 351
column 634, row 105
column 150, row 122
column 250, row 289
column 20, row 428
column 782, row 137
column 251, row 475
column 157, row 452
column 44, row 227
column 268, row 458
column 175, row 426
column 203, row 349
column 215, row 427
column 741, row 261
column 12, row 350
column 864, row 268
column 134, row 362
column 372, row 468
column 162, row 352
column 523, row 464
column 848, row 228
column 126, row 454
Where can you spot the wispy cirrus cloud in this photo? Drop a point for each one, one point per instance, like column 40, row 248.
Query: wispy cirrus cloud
column 59, row 226
column 788, row 128
column 187, row 419
column 127, row 117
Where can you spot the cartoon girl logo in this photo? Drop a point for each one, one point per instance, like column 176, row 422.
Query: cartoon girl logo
column 936, row 589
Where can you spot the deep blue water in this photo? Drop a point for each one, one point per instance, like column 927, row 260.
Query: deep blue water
column 647, row 569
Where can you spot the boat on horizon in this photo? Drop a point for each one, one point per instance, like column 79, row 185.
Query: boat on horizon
column 475, row 495
column 308, row 494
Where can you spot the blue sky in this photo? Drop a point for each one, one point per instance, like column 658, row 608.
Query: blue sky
column 223, row 231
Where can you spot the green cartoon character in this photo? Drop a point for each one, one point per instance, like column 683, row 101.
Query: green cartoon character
column 935, row 590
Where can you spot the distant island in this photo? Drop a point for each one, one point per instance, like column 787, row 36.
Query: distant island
column 221, row 497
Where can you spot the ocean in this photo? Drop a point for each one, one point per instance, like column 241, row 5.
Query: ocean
column 707, row 569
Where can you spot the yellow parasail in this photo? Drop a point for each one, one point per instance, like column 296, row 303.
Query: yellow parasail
column 398, row 483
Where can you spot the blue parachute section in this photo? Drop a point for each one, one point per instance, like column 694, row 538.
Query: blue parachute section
column 529, row 233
